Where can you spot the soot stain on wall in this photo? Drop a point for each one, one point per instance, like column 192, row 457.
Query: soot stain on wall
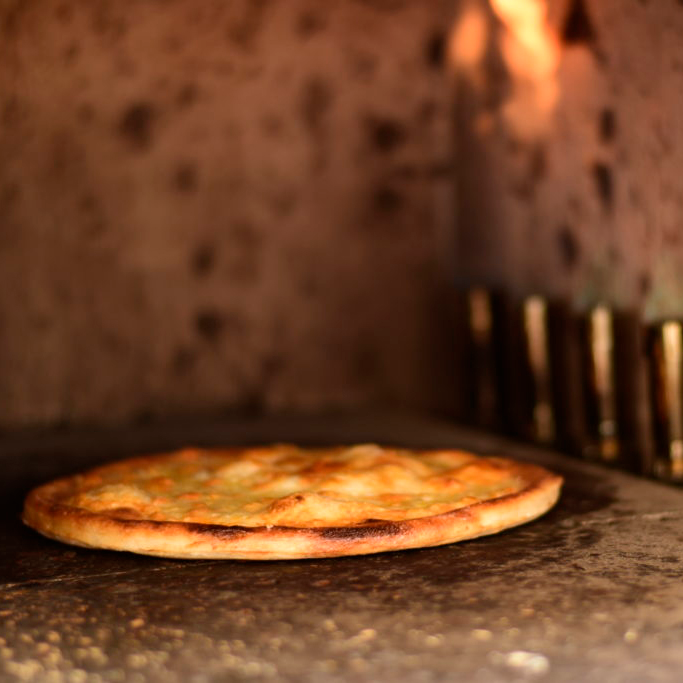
column 578, row 27
column 570, row 250
column 185, row 177
column 604, row 184
column 136, row 124
column 435, row 48
column 386, row 134
column 316, row 101
column 204, row 235
column 209, row 324
column 607, row 125
column 203, row 260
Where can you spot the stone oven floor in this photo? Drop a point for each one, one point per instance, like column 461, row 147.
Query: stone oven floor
column 593, row 591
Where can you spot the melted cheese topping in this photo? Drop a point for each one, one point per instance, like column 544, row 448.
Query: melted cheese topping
column 290, row 486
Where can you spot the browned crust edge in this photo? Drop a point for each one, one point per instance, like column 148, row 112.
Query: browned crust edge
column 44, row 513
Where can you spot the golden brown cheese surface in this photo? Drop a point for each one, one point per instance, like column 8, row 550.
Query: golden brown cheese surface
column 289, row 486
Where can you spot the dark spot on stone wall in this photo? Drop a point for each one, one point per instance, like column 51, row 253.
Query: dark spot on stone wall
column 578, row 27
column 203, row 260
column 272, row 125
column 523, row 189
column 614, row 255
column 128, row 68
column 362, row 65
column 604, row 186
column 9, row 195
column 538, row 163
column 281, row 201
column 64, row 13
column 106, row 23
column 11, row 14
column 607, row 125
column 635, row 197
column 71, row 53
column 94, row 223
column 88, row 203
column 570, row 250
column 209, row 324
column 645, row 283
column 309, row 23
column 315, row 103
column 13, row 110
column 387, row 199
column 426, row 112
column 136, row 124
column 243, row 32
column 386, row 134
column 85, row 112
column 187, row 95
column 184, row 359
column 435, row 49
column 185, row 177
column 242, row 253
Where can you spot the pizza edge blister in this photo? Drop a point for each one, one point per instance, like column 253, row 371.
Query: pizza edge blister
column 44, row 512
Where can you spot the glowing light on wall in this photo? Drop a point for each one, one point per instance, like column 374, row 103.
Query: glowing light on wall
column 531, row 52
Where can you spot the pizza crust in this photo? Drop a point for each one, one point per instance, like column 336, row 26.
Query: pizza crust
column 49, row 509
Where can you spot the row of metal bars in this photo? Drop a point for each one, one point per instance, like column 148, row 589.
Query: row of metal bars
column 601, row 384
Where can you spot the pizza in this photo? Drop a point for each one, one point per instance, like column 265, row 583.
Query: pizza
column 287, row 502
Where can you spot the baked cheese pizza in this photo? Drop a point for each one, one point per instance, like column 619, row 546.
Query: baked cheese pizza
column 286, row 502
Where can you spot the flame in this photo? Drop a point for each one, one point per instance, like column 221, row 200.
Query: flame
column 468, row 39
column 532, row 53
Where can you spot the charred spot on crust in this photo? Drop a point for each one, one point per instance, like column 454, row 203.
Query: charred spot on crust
column 123, row 513
column 353, row 533
column 219, row 531
column 282, row 504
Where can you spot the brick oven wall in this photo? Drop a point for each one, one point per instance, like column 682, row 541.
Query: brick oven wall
column 220, row 206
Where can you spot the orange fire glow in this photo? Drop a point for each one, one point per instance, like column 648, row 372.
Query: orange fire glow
column 531, row 52
column 468, row 39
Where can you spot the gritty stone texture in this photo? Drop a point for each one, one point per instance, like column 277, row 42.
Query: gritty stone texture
column 209, row 206
column 592, row 591
column 590, row 207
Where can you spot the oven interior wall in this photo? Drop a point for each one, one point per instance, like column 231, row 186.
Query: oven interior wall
column 574, row 150
column 221, row 206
